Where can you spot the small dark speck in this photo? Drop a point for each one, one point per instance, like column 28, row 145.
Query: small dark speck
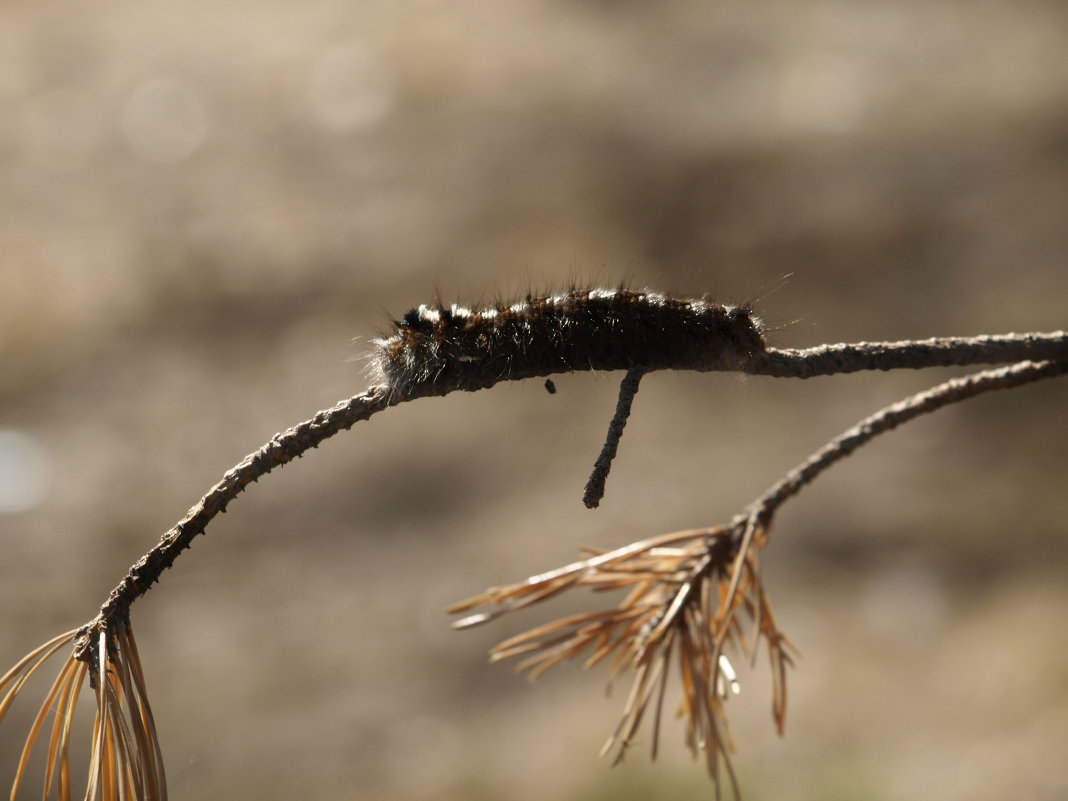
column 550, row 387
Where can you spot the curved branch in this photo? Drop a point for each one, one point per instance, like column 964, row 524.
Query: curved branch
column 956, row 389
column 909, row 354
column 291, row 444
column 282, row 448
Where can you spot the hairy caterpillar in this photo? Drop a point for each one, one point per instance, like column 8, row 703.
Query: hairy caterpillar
column 583, row 329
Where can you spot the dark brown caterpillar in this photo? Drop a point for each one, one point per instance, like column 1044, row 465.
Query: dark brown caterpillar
column 587, row 329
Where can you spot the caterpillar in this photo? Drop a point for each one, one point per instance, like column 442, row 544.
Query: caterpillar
column 456, row 347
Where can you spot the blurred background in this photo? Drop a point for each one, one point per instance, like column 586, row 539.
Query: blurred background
column 211, row 208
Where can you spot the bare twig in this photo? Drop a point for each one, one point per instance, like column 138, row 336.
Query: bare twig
column 911, row 354
column 595, row 486
column 952, row 391
column 281, row 449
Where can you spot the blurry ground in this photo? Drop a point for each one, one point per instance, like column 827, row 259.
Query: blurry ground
column 209, row 208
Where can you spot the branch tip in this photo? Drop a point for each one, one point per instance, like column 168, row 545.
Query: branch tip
column 628, row 388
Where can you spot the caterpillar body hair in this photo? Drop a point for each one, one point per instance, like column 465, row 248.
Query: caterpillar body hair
column 455, row 347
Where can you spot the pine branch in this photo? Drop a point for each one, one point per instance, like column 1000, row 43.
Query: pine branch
column 687, row 590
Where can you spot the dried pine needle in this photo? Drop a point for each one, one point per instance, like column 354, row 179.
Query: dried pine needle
column 690, row 595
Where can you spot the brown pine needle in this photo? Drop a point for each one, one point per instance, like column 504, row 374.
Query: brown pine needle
column 70, row 676
column 42, row 717
column 17, row 678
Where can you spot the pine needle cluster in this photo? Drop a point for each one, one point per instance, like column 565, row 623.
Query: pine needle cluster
column 689, row 598
column 125, row 761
